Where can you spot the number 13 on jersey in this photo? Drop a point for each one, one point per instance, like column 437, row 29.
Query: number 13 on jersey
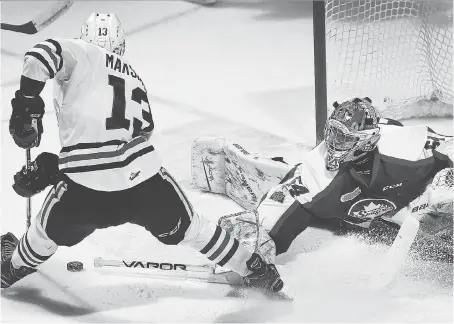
column 117, row 120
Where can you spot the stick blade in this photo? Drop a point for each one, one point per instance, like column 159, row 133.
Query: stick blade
column 42, row 20
column 28, row 28
column 395, row 258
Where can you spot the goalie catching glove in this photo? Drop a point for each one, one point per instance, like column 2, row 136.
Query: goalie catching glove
column 42, row 172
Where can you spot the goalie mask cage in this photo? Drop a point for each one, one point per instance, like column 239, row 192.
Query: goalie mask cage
column 397, row 52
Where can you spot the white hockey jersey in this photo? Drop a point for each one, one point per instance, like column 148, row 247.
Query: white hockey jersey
column 103, row 113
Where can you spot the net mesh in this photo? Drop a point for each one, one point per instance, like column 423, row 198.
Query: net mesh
column 399, row 53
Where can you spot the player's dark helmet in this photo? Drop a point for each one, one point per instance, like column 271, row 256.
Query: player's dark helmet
column 350, row 132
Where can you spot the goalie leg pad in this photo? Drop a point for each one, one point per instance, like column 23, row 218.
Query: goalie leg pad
column 250, row 176
column 221, row 166
column 246, row 228
column 217, row 244
column 207, row 164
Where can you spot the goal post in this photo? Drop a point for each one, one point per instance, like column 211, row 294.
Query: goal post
column 397, row 52
column 321, row 111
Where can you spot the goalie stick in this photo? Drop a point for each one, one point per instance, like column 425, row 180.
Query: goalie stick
column 396, row 255
column 205, row 273
column 436, row 198
column 40, row 21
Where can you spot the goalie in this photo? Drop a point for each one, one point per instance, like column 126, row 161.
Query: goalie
column 367, row 171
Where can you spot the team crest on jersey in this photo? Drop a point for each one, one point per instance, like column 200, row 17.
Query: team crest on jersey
column 371, row 208
column 351, row 195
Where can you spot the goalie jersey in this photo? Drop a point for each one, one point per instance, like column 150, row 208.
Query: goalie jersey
column 103, row 113
column 397, row 174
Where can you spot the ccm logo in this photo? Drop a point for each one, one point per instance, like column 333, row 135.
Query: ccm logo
column 392, row 186
column 162, row 266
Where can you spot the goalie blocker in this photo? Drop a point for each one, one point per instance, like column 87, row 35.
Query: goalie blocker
column 289, row 199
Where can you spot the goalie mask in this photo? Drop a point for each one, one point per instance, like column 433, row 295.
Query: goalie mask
column 106, row 31
column 350, row 132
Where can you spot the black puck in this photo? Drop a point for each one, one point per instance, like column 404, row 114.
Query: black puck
column 75, row 266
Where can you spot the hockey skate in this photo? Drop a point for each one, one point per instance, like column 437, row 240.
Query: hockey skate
column 8, row 245
column 10, row 274
column 264, row 276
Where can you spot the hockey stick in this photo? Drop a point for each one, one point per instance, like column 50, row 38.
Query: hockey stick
column 42, row 20
column 205, row 273
column 396, row 255
column 29, row 201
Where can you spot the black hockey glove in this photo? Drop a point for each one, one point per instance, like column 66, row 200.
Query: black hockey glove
column 25, row 125
column 42, row 172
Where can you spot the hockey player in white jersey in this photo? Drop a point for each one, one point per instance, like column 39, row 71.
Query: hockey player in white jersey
column 108, row 172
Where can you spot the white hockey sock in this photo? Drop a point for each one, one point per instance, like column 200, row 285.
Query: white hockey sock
column 34, row 248
column 217, row 245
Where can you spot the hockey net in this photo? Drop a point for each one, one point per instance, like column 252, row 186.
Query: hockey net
column 397, row 52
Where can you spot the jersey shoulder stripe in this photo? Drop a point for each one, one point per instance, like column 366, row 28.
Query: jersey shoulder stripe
column 57, row 52
column 43, row 61
column 49, row 54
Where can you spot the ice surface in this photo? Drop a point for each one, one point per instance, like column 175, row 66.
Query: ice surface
column 242, row 71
